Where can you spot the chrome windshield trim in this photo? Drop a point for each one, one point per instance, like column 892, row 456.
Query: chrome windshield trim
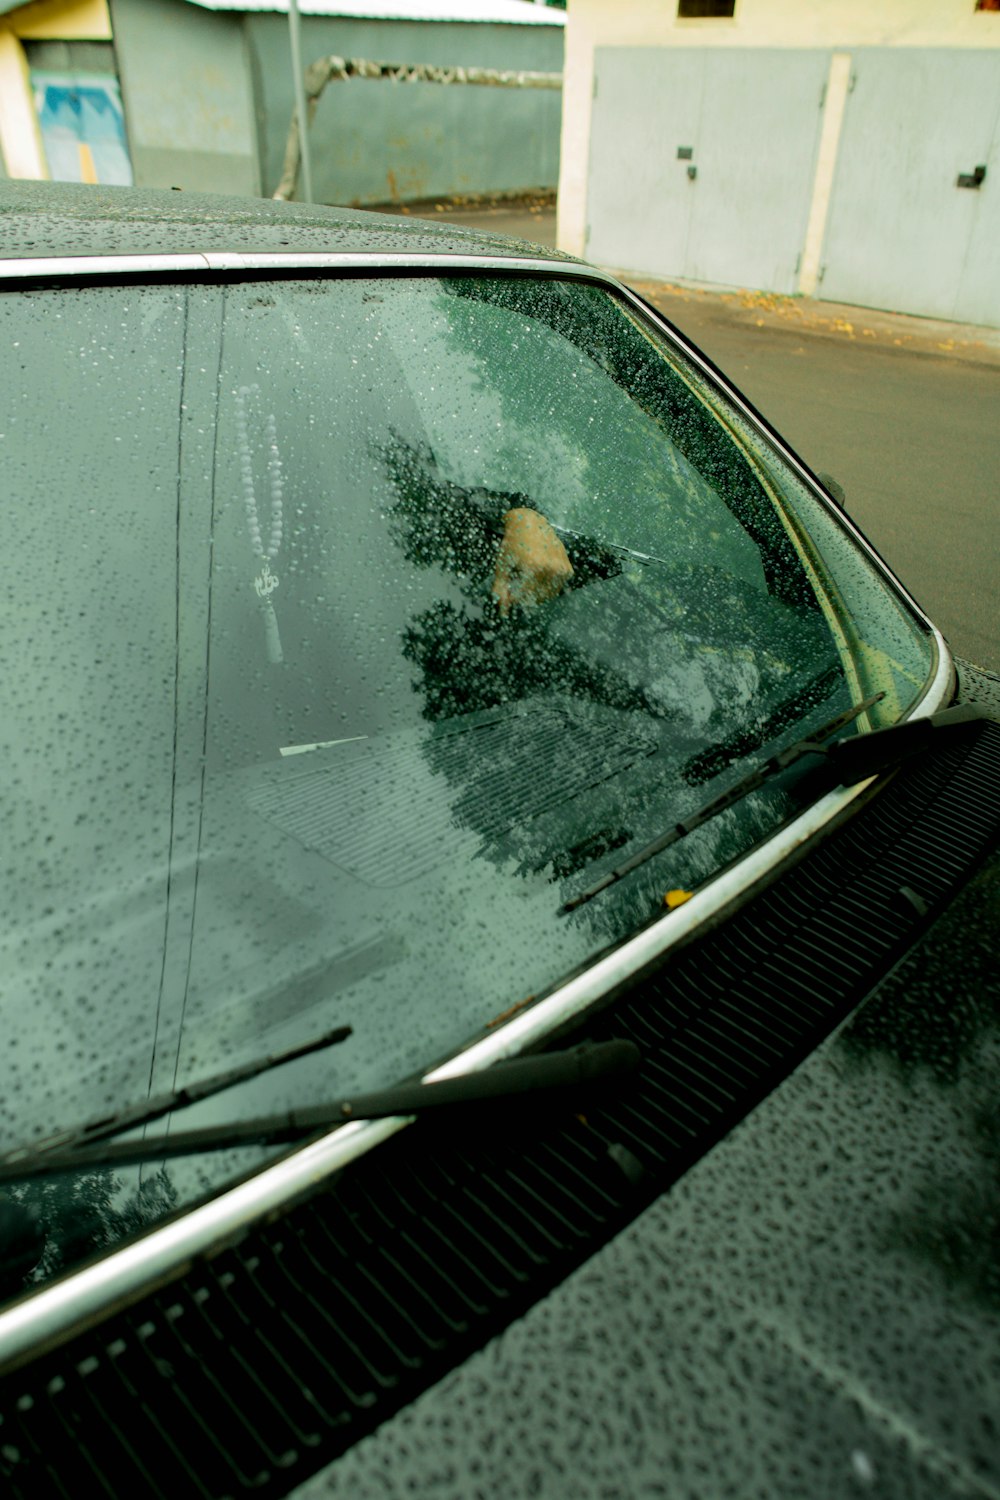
column 440, row 261
column 57, row 267
column 56, row 1312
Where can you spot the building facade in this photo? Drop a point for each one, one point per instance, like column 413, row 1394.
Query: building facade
column 197, row 94
column 837, row 149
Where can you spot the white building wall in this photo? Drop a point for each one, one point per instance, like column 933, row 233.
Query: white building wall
column 841, row 25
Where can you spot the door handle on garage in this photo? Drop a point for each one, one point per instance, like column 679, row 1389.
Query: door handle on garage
column 971, row 179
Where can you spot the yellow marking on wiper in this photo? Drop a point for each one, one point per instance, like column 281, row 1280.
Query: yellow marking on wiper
column 321, row 745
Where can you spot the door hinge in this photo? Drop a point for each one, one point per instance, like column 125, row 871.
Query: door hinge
column 593, row 92
column 822, row 96
column 851, row 82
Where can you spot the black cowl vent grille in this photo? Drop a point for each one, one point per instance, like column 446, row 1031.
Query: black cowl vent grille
column 254, row 1370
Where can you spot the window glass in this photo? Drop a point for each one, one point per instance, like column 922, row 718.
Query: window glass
column 90, row 406
column 709, row 8
column 392, row 753
column 358, row 624
column 880, row 649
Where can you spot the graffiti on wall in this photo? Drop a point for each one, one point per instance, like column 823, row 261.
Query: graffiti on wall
column 83, row 127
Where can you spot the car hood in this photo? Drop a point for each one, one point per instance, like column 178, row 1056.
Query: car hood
column 814, row 1309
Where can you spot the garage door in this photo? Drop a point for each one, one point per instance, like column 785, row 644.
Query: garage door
column 902, row 232
column 702, row 161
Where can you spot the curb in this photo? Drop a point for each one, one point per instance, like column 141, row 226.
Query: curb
column 806, row 315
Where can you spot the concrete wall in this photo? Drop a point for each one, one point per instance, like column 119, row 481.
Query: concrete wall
column 376, row 141
column 835, row 24
column 186, row 89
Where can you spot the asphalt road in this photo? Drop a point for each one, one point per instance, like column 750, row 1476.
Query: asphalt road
column 903, row 412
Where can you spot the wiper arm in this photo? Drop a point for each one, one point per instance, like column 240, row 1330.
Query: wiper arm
column 846, row 761
column 134, row 1115
column 545, row 1073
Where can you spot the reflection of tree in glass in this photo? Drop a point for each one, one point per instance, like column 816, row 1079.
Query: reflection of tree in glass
column 936, row 1022
column 619, row 650
column 590, row 762
column 75, row 1214
column 476, row 656
column 934, row 1012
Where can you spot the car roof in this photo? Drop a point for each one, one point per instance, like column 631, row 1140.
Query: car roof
column 45, row 219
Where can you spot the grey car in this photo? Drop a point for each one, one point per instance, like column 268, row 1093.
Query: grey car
column 500, row 893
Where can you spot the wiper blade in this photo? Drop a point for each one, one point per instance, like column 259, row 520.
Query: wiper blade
column 544, row 1073
column 155, row 1108
column 846, row 761
column 865, row 755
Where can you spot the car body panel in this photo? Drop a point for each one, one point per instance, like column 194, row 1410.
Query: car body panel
column 78, row 220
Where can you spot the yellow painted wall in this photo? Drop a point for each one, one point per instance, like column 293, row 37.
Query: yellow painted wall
column 20, row 138
column 61, row 21
column 45, row 20
column 836, row 24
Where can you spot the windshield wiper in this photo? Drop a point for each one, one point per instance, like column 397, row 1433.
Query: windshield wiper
column 143, row 1113
column 544, row 1073
column 846, row 760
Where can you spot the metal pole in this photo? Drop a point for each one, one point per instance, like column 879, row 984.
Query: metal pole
column 294, row 37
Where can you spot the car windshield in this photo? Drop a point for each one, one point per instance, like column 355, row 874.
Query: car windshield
column 353, row 626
